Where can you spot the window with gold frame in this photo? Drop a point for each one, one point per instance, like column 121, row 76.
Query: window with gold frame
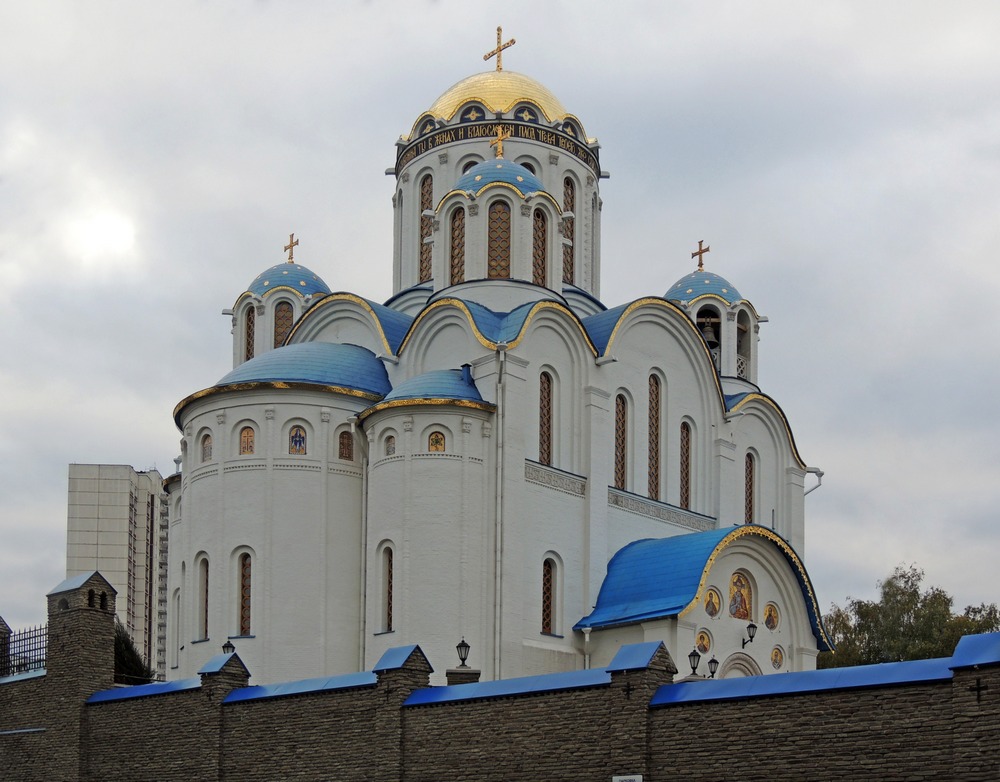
column 247, row 437
column 457, row 259
column 426, row 225
column 297, row 441
column 283, row 316
column 498, row 241
column 436, row 442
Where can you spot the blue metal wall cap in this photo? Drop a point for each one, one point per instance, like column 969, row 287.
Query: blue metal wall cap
column 696, row 284
column 323, row 684
column 439, row 384
column 658, row 578
column 145, row 690
column 634, row 657
column 499, row 171
column 291, row 276
column 977, row 650
column 76, row 582
column 218, row 662
column 499, row 688
column 883, row 675
column 396, row 658
column 322, row 363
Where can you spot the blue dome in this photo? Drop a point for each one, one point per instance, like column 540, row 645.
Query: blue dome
column 321, row 363
column 703, row 283
column 499, row 171
column 290, row 276
column 440, row 384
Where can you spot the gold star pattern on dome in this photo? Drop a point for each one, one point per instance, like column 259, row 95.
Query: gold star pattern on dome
column 290, row 247
column 526, row 115
column 498, row 52
column 699, row 253
column 472, row 115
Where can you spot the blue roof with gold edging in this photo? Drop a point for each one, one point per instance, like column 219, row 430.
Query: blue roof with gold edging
column 322, row 363
column 438, row 384
column 657, row 578
column 691, row 286
column 289, row 275
column 394, row 324
column 499, row 171
column 601, row 326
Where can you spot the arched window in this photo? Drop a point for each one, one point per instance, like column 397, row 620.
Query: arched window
column 345, row 447
column 246, row 440
column 387, row 590
column 545, row 418
column 206, row 448
column 297, row 441
column 249, row 332
column 654, row 437
column 529, row 166
column 203, row 599
column 539, row 247
column 457, row 259
column 104, row 601
column 282, row 322
column 245, row 579
column 548, row 596
column 390, row 445
column 621, row 441
column 744, row 343
column 748, row 482
column 469, row 164
column 426, row 225
column 91, row 599
column 498, row 241
column 569, row 226
column 436, row 442
column 740, row 596
column 685, row 461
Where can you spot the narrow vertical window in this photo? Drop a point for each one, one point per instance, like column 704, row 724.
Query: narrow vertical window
column 545, row 418
column 539, row 247
column 345, row 447
column 282, row 322
column 387, row 590
column 297, row 441
column 203, row 600
column 390, row 445
column 436, row 442
column 426, row 224
column 249, row 332
column 748, row 482
column 245, row 578
column 685, row 460
column 206, row 448
column 569, row 226
column 246, row 440
column 457, row 259
column 548, row 600
column 498, row 241
column 621, row 441
column 654, row 437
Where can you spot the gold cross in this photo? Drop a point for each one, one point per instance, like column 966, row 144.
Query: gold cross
column 290, row 247
column 502, row 135
column 499, row 50
column 700, row 252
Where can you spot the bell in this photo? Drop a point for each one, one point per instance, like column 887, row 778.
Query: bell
column 709, row 334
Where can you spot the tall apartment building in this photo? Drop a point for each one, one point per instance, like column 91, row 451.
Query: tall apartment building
column 117, row 525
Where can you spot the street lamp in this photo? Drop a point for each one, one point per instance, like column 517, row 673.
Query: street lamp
column 463, row 652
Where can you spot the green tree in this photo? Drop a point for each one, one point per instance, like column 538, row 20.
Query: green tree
column 905, row 623
column 130, row 668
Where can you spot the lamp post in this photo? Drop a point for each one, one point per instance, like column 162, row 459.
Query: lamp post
column 751, row 631
column 693, row 659
column 228, row 648
column 713, row 666
column 463, row 652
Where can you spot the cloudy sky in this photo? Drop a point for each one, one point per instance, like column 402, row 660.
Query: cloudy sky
column 842, row 159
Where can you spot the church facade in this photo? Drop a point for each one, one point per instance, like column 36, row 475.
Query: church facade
column 493, row 453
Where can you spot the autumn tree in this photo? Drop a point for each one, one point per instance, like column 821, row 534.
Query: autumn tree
column 905, row 623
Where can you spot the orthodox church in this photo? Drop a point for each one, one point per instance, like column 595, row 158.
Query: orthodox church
column 493, row 454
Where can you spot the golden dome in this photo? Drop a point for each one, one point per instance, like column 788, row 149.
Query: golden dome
column 498, row 91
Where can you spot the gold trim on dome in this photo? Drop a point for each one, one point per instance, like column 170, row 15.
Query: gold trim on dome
column 771, row 403
column 755, row 529
column 498, row 91
column 422, row 401
column 334, row 297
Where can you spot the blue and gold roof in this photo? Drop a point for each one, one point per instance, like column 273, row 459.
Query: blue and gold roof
column 701, row 283
column 290, row 277
column 499, row 172
column 498, row 91
column 439, row 387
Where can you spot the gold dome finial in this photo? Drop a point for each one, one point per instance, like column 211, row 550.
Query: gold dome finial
column 700, row 252
column 499, row 50
column 502, row 135
column 290, row 247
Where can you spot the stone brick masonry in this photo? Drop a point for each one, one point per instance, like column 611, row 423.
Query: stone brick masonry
column 942, row 728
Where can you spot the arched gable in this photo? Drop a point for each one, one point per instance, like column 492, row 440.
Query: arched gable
column 772, row 417
column 347, row 318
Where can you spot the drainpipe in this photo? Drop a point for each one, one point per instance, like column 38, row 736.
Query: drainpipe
column 819, row 479
column 586, row 648
column 498, row 532
column 362, row 440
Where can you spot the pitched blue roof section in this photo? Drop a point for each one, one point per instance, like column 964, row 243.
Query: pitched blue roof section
column 976, row 650
column 439, row 384
column 499, row 171
column 322, row 363
column 394, row 324
column 884, row 675
column 734, row 399
column 145, row 690
column 499, row 326
column 395, row 658
column 216, row 663
column 658, row 578
column 601, row 326
column 71, row 583
column 551, row 682
column 696, row 284
column 634, row 657
column 288, row 275
column 346, row 681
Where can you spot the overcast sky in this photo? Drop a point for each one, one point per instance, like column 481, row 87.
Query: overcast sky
column 842, row 160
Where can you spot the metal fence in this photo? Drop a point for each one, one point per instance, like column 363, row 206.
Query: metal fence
column 23, row 651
